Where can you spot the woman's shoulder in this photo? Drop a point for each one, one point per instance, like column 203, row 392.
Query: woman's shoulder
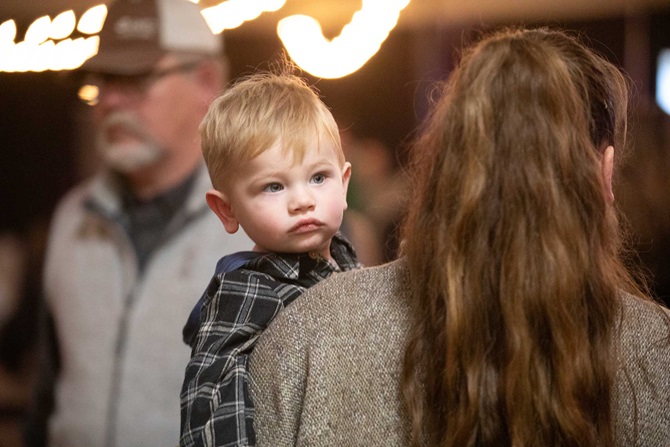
column 388, row 276
column 643, row 382
column 357, row 290
column 644, row 323
column 349, row 298
column 644, row 342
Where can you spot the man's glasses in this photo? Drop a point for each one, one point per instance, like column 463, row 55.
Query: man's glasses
column 93, row 85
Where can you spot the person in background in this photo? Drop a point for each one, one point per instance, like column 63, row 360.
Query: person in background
column 275, row 158
column 511, row 318
column 378, row 196
column 130, row 248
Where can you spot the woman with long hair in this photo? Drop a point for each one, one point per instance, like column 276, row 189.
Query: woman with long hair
column 512, row 318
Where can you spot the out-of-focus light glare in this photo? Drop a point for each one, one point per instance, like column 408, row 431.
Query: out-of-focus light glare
column 302, row 36
column 38, row 31
column 72, row 54
column 62, row 25
column 21, row 57
column 92, row 20
column 42, row 56
column 233, row 13
column 357, row 43
column 90, row 47
column 6, row 56
column 663, row 80
column 7, row 32
column 67, row 54
column 89, row 94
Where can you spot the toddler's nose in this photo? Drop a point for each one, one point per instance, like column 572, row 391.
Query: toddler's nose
column 302, row 200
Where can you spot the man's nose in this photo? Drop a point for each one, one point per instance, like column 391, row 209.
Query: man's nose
column 114, row 96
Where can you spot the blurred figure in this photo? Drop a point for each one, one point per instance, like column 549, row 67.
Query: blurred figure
column 511, row 318
column 364, row 236
column 130, row 249
column 378, row 194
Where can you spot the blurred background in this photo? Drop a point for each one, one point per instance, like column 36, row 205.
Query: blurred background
column 45, row 133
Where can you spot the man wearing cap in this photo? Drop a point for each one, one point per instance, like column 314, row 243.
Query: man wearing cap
column 130, row 249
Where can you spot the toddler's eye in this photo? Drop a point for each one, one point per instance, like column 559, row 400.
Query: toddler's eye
column 319, row 178
column 272, row 187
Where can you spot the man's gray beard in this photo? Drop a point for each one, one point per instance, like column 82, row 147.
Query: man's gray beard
column 127, row 158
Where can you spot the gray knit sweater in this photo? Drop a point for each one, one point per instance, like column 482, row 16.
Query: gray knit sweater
column 326, row 372
column 119, row 329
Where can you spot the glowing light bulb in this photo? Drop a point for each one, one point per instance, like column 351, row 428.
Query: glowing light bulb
column 92, row 20
column 233, row 13
column 7, row 32
column 358, row 41
column 38, row 31
column 62, row 25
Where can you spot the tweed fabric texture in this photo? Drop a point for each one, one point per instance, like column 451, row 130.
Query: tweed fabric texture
column 642, row 400
column 327, row 371
column 237, row 306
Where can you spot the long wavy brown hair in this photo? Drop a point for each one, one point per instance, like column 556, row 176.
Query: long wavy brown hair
column 514, row 250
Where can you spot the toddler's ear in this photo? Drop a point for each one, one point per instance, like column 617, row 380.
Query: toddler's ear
column 220, row 204
column 346, row 176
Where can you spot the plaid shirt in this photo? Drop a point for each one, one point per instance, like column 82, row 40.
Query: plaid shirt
column 216, row 408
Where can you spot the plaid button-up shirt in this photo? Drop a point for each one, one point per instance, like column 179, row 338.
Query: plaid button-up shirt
column 216, row 408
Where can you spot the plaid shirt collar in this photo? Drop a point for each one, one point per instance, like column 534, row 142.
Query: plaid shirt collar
column 295, row 267
column 290, row 268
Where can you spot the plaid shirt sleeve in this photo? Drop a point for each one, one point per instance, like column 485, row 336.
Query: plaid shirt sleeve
column 216, row 408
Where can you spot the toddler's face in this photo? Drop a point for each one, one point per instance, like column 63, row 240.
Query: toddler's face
column 289, row 207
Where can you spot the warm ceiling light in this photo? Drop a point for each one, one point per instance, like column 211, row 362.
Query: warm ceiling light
column 62, row 25
column 357, row 43
column 92, row 20
column 233, row 13
column 7, row 32
column 38, row 31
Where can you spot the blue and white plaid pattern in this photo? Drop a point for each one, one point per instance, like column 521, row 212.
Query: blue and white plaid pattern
column 216, row 408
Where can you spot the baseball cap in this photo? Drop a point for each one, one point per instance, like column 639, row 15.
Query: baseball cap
column 138, row 33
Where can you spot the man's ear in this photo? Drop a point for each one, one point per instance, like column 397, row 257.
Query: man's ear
column 346, row 176
column 221, row 206
column 210, row 75
column 607, row 166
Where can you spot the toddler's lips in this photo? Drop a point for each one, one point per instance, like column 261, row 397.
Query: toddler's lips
column 306, row 225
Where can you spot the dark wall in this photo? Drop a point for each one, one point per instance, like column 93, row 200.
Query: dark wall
column 36, row 145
